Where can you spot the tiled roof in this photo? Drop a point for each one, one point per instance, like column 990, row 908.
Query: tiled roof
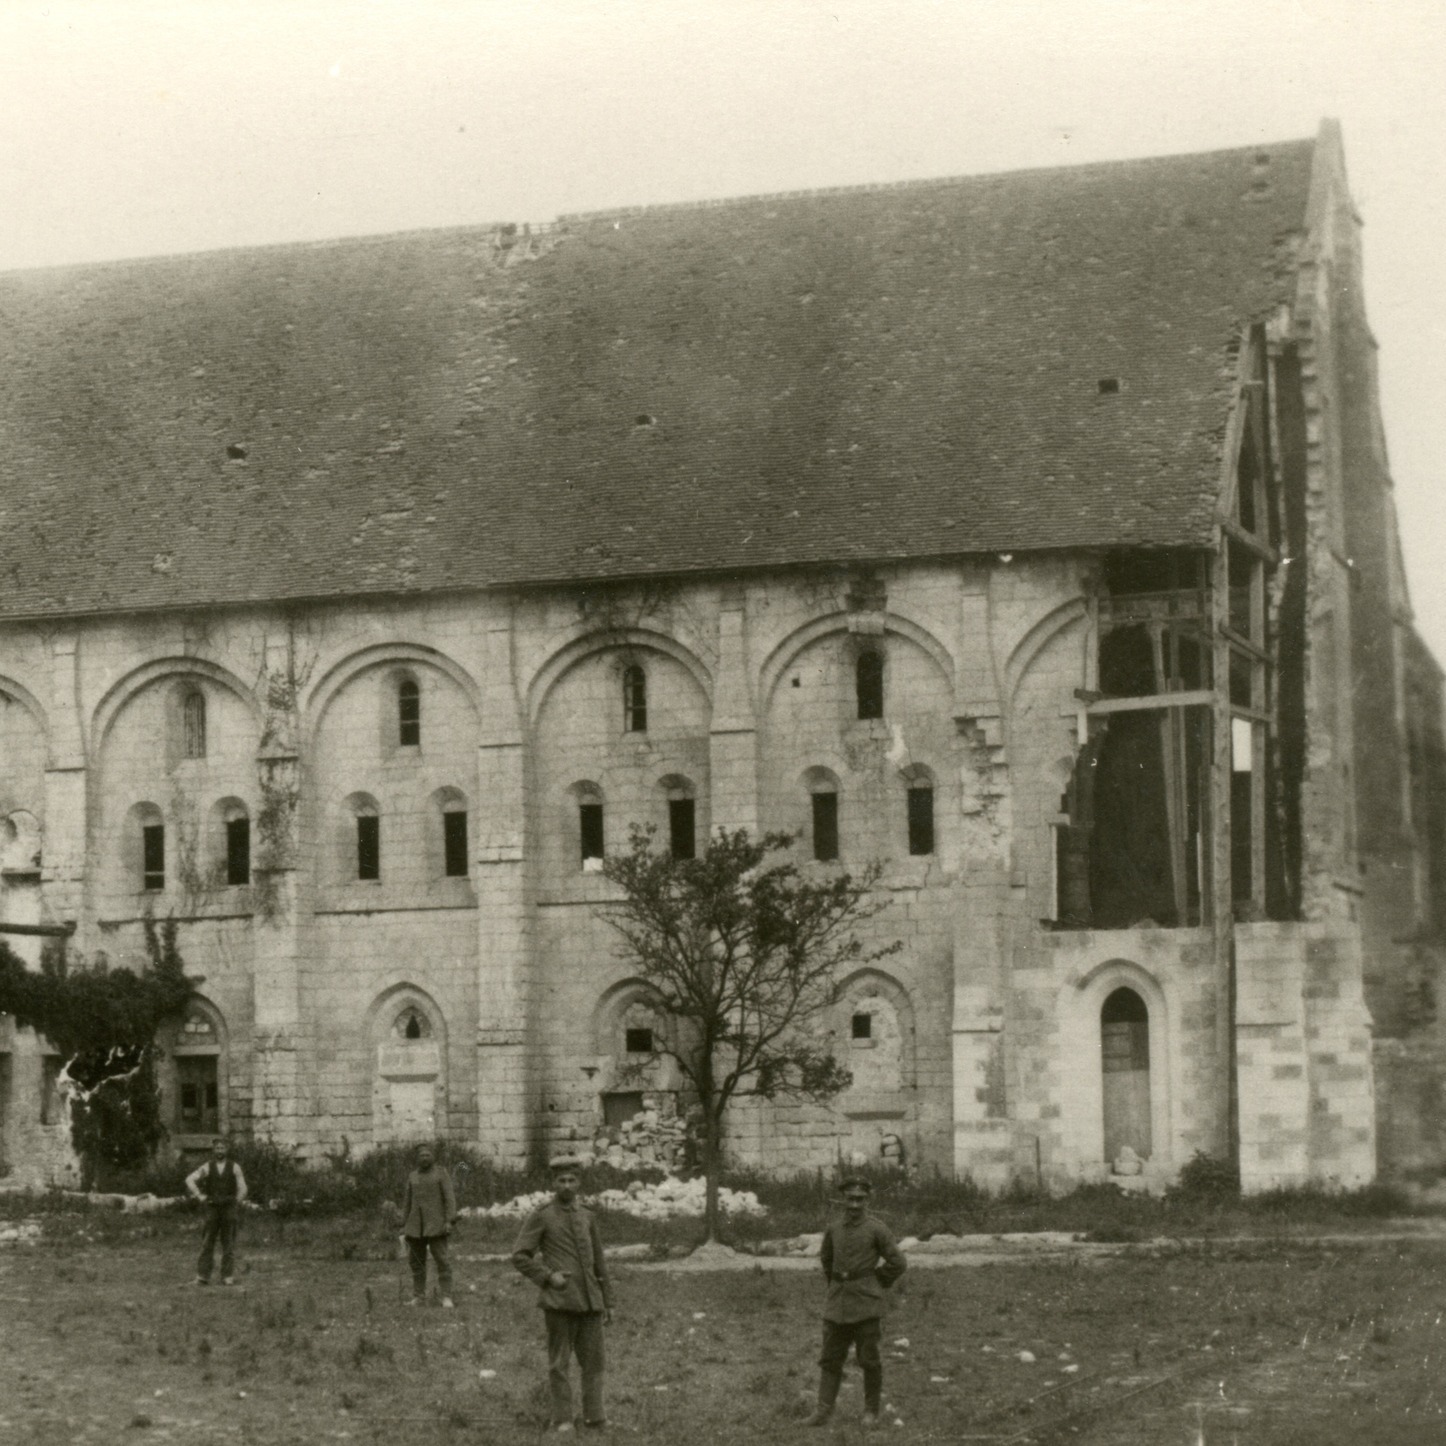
column 877, row 373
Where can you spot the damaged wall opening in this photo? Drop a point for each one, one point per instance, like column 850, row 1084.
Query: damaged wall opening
column 1192, row 727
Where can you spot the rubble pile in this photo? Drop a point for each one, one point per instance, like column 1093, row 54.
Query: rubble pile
column 665, row 1200
column 20, row 1232
column 649, row 1138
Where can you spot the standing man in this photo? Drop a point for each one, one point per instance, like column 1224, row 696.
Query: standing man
column 559, row 1249
column 860, row 1262
column 428, row 1214
column 221, row 1186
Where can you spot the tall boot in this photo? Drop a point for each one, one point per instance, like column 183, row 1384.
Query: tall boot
column 873, row 1393
column 828, row 1384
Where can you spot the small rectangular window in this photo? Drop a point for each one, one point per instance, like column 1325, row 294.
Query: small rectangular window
column 51, row 1104
column 862, row 1026
column 454, row 843
column 368, row 846
column 921, row 820
column 639, row 1041
column 153, row 856
column 238, row 851
column 825, row 825
column 590, row 829
column 682, row 838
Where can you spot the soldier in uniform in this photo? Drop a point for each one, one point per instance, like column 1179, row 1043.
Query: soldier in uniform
column 860, row 1262
column 559, row 1249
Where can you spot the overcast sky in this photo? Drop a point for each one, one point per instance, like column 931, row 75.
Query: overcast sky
column 138, row 128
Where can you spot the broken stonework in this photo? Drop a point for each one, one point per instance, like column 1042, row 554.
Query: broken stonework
column 665, row 1200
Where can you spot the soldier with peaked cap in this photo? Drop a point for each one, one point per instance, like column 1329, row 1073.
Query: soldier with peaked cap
column 559, row 1249
column 860, row 1262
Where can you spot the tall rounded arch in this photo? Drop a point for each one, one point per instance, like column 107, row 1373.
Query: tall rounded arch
column 1059, row 620
column 593, row 641
column 785, row 651
column 19, row 693
column 407, row 1059
column 124, row 689
column 1081, row 1010
column 874, row 994
column 341, row 672
column 195, row 1093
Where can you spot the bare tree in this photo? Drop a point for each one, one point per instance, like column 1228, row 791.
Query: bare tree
column 741, row 958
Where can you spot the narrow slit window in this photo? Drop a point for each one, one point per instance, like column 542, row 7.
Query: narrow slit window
column 869, row 684
column 409, row 713
column 825, row 826
column 153, row 856
column 238, row 851
column 921, row 819
column 590, row 831
column 635, row 699
column 368, row 846
column 52, row 1105
column 682, row 838
column 193, row 724
column 454, row 843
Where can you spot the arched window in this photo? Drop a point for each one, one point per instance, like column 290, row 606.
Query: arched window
column 235, row 830
column 193, row 723
column 198, row 1075
column 153, row 855
column 682, row 817
column 869, row 684
column 590, row 825
column 635, row 699
column 1125, row 1057
column 919, row 800
column 823, row 801
column 368, row 841
column 454, row 841
column 411, row 1023
column 409, row 713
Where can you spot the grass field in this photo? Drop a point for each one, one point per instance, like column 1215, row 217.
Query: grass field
column 1235, row 1343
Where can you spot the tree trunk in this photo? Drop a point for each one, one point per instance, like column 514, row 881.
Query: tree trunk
column 712, row 1132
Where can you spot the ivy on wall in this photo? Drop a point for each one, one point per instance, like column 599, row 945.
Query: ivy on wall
column 103, row 1022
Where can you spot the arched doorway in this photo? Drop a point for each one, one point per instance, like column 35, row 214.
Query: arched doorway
column 1125, row 1059
column 409, row 1095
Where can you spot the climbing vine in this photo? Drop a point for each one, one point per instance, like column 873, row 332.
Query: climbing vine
column 103, row 1022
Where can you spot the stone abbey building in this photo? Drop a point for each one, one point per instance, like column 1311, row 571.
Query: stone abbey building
column 1030, row 533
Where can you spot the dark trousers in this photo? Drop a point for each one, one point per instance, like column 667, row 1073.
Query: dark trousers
column 864, row 1337
column 579, row 1333
column 417, row 1247
column 220, row 1228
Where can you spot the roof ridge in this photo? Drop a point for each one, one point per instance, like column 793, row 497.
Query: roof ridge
column 919, row 182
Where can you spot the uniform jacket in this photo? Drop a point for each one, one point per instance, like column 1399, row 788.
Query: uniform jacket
column 564, row 1238
column 431, row 1203
column 860, row 1263
column 223, row 1185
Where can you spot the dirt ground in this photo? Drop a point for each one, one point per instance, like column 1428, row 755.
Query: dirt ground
column 1230, row 1344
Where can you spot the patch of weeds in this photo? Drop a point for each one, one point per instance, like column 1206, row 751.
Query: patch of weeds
column 369, row 1348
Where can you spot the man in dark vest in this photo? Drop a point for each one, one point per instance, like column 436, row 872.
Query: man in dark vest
column 221, row 1187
